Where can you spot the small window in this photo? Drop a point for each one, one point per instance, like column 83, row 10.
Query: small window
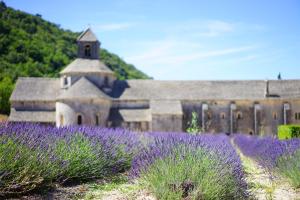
column 239, row 115
column 297, row 116
column 87, row 51
column 61, row 120
column 209, row 116
column 222, row 115
column 79, row 119
column 144, row 126
column 105, row 81
column 65, row 81
column 97, row 120
column 275, row 115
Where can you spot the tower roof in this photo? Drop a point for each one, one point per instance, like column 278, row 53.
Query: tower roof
column 81, row 66
column 87, row 36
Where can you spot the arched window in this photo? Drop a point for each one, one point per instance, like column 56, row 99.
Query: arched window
column 239, row 115
column 222, row 115
column 79, row 119
column 65, row 81
column 105, row 81
column 275, row 115
column 297, row 116
column 209, row 116
column 87, row 51
column 97, row 120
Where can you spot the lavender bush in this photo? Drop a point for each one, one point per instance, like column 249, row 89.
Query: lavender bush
column 175, row 166
column 273, row 154
column 33, row 155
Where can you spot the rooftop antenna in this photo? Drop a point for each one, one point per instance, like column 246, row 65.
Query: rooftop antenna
column 279, row 76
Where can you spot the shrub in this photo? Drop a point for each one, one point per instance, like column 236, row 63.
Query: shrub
column 288, row 131
column 80, row 160
column 192, row 174
column 180, row 161
column 34, row 156
column 22, row 168
column 289, row 166
column 193, row 126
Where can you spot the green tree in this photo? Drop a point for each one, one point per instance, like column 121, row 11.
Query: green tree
column 6, row 87
column 32, row 46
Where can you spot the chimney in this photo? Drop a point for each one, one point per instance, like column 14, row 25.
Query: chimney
column 267, row 94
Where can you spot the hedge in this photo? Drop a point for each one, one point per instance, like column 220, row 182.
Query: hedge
column 288, row 131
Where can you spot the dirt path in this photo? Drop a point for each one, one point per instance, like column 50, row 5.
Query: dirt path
column 262, row 186
column 126, row 191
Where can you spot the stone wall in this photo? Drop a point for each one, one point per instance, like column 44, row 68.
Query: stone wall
column 217, row 117
column 34, row 105
column 169, row 123
column 88, row 110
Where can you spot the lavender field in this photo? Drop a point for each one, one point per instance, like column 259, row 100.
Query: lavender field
column 281, row 156
column 36, row 158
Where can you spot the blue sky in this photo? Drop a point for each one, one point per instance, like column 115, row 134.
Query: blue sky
column 188, row 40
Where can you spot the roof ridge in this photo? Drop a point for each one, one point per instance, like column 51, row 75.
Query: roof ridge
column 45, row 78
column 237, row 80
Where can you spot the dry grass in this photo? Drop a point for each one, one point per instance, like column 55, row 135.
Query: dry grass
column 3, row 117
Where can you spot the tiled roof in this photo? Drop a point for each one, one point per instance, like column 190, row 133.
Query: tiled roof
column 161, row 107
column 36, row 89
column 81, row 65
column 83, row 89
column 204, row 90
column 130, row 115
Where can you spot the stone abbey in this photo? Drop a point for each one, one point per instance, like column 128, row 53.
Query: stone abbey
column 88, row 92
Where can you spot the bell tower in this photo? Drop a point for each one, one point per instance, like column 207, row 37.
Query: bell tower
column 88, row 45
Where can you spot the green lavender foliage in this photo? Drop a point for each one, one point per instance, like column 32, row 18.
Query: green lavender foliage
column 191, row 175
column 289, row 166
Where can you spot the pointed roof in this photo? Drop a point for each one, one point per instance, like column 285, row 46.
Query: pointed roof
column 87, row 36
column 83, row 89
column 81, row 65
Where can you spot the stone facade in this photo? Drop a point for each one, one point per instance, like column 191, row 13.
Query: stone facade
column 88, row 93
